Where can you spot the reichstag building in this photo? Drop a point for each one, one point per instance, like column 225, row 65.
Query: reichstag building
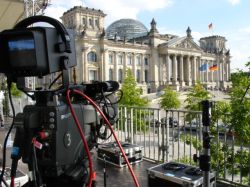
column 155, row 59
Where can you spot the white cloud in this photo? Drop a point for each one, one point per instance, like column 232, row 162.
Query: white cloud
column 246, row 29
column 58, row 7
column 115, row 9
column 238, row 44
column 234, row 2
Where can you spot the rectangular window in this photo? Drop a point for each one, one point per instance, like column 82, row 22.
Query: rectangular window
column 138, row 76
column 120, row 75
column 146, row 76
column 111, row 59
column 129, row 60
column 120, row 62
column 96, row 23
column 146, row 61
column 110, row 74
column 138, row 60
column 90, row 22
column 92, row 75
column 83, row 21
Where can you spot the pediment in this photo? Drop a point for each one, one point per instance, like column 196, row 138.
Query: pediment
column 186, row 44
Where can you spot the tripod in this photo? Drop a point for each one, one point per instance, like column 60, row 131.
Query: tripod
column 205, row 158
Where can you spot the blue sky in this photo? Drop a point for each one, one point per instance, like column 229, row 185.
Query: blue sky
column 230, row 18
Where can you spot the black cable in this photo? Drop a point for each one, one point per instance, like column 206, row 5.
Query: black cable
column 53, row 82
column 99, row 98
column 29, row 95
column 105, row 104
column 110, row 105
column 34, row 165
column 9, row 82
column 5, row 183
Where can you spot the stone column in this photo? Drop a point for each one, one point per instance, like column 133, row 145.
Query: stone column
column 212, row 72
column 160, row 70
column 115, row 67
column 85, row 76
column 198, row 68
column 229, row 70
column 188, row 71
column 206, row 73
column 174, row 69
column 194, row 69
column 226, row 71
column 222, row 70
column 218, row 72
column 167, row 69
column 134, row 65
column 124, row 64
column 142, row 69
column 104, row 65
column 181, row 71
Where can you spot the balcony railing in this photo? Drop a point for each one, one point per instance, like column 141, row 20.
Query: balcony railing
column 168, row 135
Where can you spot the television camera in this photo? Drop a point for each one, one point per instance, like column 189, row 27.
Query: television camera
column 47, row 138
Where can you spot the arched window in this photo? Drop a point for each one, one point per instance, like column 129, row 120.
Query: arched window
column 120, row 76
column 92, row 57
column 110, row 74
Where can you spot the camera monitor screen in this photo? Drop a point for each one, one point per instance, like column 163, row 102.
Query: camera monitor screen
column 22, row 52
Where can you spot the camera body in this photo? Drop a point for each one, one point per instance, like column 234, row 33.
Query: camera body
column 53, row 126
column 46, row 134
column 34, row 51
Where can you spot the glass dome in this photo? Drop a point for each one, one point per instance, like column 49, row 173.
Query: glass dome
column 128, row 28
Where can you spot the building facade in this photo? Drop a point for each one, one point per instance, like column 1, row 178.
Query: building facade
column 155, row 59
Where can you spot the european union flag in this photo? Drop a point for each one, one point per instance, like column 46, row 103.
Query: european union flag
column 203, row 67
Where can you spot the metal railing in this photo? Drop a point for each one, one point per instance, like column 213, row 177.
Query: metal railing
column 168, row 135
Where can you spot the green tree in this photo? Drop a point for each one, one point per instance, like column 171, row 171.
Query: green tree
column 235, row 113
column 240, row 121
column 240, row 105
column 221, row 111
column 5, row 102
column 132, row 98
column 170, row 100
column 197, row 94
column 131, row 93
column 14, row 91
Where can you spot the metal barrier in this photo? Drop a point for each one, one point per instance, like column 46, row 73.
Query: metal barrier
column 168, row 135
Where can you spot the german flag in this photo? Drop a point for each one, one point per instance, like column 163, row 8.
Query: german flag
column 210, row 26
column 213, row 67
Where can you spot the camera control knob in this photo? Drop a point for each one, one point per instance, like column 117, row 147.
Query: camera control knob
column 52, row 126
column 51, row 120
column 52, row 114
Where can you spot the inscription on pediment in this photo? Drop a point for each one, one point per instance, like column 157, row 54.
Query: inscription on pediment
column 184, row 44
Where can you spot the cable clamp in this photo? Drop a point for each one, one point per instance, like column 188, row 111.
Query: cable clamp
column 37, row 144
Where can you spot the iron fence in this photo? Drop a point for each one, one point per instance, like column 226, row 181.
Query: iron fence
column 174, row 135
